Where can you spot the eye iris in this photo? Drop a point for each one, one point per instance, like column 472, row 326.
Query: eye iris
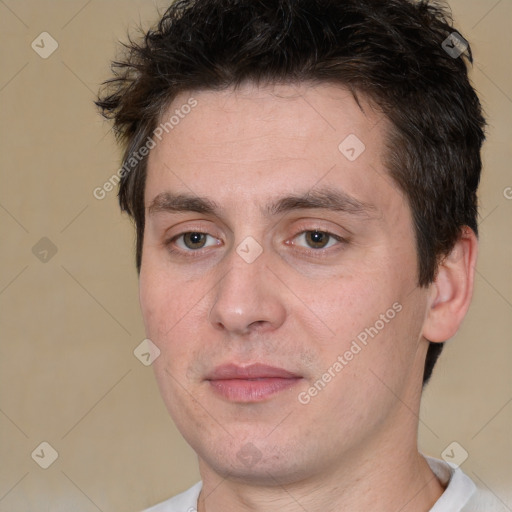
column 194, row 240
column 317, row 239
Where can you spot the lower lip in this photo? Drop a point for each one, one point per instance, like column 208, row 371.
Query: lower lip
column 252, row 390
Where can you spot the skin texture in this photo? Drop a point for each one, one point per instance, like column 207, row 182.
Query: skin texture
column 354, row 445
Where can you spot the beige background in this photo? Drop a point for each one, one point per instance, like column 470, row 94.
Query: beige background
column 69, row 325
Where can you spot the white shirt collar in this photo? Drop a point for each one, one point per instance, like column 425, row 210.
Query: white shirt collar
column 459, row 487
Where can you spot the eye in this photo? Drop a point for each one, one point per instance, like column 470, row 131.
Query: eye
column 194, row 240
column 316, row 239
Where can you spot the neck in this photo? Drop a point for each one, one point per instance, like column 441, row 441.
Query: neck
column 381, row 481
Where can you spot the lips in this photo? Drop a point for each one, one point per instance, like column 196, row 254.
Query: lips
column 252, row 383
column 253, row 371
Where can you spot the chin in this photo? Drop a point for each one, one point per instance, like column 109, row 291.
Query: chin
column 259, row 466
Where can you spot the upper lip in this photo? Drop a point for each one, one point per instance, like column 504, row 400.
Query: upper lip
column 252, row 371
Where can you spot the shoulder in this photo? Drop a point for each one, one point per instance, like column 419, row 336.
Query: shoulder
column 184, row 502
column 461, row 494
column 485, row 501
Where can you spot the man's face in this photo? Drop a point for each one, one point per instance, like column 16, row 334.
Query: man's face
column 268, row 244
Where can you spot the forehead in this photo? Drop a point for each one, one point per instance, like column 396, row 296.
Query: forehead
column 255, row 141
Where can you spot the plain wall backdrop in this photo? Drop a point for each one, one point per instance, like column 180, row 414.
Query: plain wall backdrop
column 70, row 316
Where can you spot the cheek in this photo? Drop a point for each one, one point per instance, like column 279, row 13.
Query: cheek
column 174, row 311
column 165, row 311
column 161, row 303
column 372, row 313
column 162, row 298
column 348, row 304
column 150, row 302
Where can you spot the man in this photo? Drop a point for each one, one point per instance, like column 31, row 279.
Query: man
column 303, row 177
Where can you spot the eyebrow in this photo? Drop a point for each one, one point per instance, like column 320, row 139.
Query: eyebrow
column 326, row 198
column 168, row 202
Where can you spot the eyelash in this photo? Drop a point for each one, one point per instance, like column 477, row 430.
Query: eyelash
column 182, row 252
column 308, row 251
column 321, row 252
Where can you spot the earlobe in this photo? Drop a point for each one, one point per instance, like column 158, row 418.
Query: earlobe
column 452, row 289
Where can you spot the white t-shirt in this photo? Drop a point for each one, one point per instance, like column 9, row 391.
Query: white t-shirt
column 460, row 495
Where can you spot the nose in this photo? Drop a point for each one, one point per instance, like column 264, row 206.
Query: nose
column 248, row 298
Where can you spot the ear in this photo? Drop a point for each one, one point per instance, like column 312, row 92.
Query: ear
column 452, row 289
